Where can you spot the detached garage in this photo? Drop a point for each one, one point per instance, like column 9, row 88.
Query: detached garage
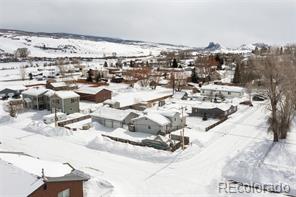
column 113, row 118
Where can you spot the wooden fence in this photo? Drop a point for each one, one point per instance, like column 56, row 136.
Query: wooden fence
column 215, row 124
column 63, row 123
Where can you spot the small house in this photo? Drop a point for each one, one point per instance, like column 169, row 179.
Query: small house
column 113, row 118
column 65, row 101
column 94, row 94
column 23, row 175
column 175, row 117
column 213, row 110
column 152, row 123
column 212, row 91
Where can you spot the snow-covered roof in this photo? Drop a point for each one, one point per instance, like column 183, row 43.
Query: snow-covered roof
column 22, row 174
column 58, row 84
column 209, row 105
column 222, row 88
column 90, row 90
column 35, row 91
column 111, row 113
column 66, row 94
column 16, row 182
column 155, row 117
column 164, row 112
column 179, row 95
column 34, row 166
column 49, row 93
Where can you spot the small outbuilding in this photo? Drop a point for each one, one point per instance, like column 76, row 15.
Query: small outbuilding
column 94, row 94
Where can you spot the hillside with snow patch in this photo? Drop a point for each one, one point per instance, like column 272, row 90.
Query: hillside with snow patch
column 72, row 45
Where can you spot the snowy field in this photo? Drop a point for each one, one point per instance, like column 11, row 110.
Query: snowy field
column 66, row 47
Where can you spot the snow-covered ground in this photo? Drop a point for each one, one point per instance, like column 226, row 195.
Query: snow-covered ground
column 141, row 171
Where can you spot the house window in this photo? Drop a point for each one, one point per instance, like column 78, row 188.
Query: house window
column 175, row 119
column 64, row 193
column 229, row 93
column 149, row 127
column 73, row 100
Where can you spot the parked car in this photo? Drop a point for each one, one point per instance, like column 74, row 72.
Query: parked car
column 258, row 97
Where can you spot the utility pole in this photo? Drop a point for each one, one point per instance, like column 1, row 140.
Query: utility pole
column 182, row 131
column 55, row 110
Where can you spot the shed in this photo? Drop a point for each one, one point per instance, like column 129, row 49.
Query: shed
column 94, row 94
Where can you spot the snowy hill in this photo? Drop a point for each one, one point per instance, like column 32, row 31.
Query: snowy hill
column 218, row 48
column 73, row 45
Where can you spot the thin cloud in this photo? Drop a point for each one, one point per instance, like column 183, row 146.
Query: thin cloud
column 189, row 22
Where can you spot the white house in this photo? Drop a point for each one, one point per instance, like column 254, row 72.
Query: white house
column 212, row 90
column 174, row 116
column 153, row 123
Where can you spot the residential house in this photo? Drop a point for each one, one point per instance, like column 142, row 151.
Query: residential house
column 113, row 118
column 23, row 175
column 213, row 110
column 177, row 121
column 213, row 91
column 94, row 94
column 152, row 123
column 65, row 101
column 34, row 98
column 61, row 85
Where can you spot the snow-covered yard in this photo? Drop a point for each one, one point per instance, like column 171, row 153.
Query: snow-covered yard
column 141, row 171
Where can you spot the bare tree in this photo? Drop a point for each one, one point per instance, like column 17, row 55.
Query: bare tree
column 22, row 72
column 278, row 71
column 178, row 81
column 61, row 65
column 22, row 53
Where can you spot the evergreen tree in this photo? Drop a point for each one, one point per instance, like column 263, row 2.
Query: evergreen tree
column 89, row 74
column 30, row 76
column 175, row 63
column 105, row 64
column 194, row 77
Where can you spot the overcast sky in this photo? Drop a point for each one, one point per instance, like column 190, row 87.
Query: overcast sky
column 188, row 22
